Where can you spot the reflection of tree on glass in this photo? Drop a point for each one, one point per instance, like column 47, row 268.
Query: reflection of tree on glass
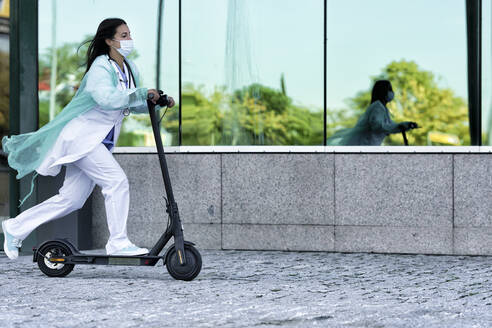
column 375, row 124
column 420, row 97
column 82, row 138
column 270, row 114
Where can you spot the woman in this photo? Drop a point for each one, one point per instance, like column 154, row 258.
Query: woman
column 81, row 138
column 375, row 124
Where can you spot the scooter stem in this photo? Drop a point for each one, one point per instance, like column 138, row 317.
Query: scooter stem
column 404, row 135
column 172, row 207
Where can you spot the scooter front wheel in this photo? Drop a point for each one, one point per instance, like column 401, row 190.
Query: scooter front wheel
column 186, row 272
column 54, row 250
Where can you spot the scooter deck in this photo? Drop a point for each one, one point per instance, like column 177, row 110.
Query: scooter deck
column 103, row 259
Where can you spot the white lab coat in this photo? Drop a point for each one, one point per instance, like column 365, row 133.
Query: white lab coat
column 82, row 135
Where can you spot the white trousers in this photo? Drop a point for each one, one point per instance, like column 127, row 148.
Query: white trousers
column 97, row 167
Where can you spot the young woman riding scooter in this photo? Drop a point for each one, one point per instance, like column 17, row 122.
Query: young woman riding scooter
column 82, row 138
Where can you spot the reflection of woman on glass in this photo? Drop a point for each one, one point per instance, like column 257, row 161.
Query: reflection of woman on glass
column 375, row 124
column 82, row 138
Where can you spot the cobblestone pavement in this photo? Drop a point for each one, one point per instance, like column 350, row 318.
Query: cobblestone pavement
column 256, row 289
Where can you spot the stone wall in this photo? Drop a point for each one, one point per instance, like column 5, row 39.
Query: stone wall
column 385, row 203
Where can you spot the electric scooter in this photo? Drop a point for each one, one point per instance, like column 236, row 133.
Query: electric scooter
column 57, row 258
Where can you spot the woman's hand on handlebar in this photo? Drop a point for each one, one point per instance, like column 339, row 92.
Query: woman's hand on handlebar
column 155, row 94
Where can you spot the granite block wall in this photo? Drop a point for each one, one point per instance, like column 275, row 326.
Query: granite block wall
column 400, row 203
column 473, row 204
column 385, row 203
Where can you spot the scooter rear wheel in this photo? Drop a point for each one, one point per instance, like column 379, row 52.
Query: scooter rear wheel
column 186, row 272
column 53, row 269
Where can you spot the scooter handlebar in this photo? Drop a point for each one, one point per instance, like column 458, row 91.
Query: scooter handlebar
column 163, row 101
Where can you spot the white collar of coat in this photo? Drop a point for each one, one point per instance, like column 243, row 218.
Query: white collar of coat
column 118, row 72
column 103, row 60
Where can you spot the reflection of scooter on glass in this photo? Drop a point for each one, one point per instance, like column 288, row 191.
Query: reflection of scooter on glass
column 411, row 126
column 57, row 258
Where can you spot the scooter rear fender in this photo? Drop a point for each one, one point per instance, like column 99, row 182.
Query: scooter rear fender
column 61, row 241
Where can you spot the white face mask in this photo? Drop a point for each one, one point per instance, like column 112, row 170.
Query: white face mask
column 126, row 47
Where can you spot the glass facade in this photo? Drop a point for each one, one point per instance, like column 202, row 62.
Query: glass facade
column 261, row 73
column 252, row 72
column 419, row 46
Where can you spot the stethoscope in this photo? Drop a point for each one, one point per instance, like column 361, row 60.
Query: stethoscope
column 124, row 80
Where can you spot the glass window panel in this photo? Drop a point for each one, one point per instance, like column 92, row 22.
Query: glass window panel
column 420, row 46
column 73, row 27
column 486, row 73
column 252, row 72
column 169, row 72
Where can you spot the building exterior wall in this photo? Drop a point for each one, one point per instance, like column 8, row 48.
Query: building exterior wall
column 385, row 203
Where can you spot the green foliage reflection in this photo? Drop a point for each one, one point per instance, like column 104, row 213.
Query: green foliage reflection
column 255, row 115
column 417, row 98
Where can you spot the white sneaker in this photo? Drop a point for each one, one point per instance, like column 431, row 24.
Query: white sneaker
column 11, row 244
column 131, row 250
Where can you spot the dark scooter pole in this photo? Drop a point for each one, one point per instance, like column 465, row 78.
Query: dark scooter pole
column 411, row 126
column 176, row 229
column 405, row 140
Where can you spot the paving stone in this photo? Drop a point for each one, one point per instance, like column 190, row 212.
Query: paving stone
column 256, row 289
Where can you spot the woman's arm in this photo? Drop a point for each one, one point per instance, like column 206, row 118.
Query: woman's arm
column 101, row 86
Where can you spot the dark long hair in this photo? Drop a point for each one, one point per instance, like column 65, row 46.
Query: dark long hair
column 98, row 46
column 380, row 91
